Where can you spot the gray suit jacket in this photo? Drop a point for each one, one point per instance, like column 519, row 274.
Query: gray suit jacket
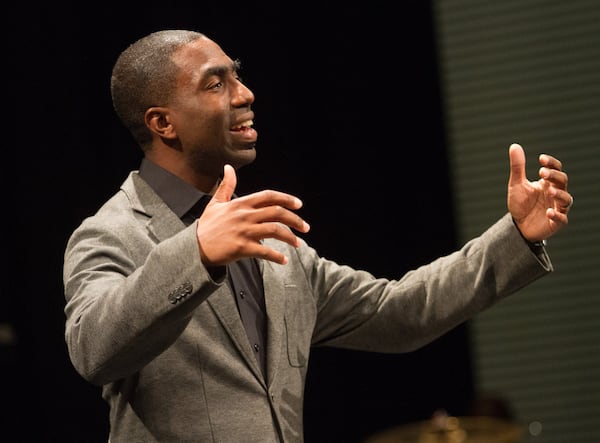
column 145, row 320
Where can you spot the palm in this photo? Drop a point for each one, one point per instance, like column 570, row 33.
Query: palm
column 527, row 202
column 539, row 208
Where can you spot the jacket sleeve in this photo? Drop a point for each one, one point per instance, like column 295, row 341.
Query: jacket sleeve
column 358, row 311
column 128, row 296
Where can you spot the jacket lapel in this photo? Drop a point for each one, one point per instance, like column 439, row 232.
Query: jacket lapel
column 223, row 304
column 275, row 305
column 162, row 224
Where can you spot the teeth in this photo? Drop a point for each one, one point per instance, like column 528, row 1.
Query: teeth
column 246, row 124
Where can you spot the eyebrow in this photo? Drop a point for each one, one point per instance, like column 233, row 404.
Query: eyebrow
column 236, row 65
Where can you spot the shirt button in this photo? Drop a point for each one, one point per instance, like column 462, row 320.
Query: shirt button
column 242, row 294
column 256, row 347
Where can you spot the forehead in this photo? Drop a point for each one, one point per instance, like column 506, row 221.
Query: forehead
column 202, row 57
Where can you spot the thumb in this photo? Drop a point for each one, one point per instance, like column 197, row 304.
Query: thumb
column 227, row 186
column 517, row 164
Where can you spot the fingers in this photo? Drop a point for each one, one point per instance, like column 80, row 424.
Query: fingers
column 551, row 169
column 557, row 218
column 227, row 186
column 266, row 198
column 540, row 208
column 261, row 251
column 557, row 177
column 272, row 207
column 562, row 200
column 517, row 164
column 571, row 202
column 232, row 228
column 269, row 198
column 265, row 215
column 555, row 180
column 273, row 231
column 269, row 214
column 278, row 214
column 550, row 162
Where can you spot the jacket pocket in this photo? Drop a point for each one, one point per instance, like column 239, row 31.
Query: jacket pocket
column 300, row 316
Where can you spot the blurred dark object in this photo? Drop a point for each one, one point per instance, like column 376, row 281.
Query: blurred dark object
column 490, row 419
column 440, row 429
column 491, row 405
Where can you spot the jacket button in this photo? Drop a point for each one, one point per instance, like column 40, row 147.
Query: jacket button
column 180, row 292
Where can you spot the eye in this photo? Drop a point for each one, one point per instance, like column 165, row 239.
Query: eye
column 216, row 85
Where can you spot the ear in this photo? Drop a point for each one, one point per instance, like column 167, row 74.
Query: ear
column 159, row 122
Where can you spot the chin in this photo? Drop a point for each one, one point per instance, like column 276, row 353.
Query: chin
column 243, row 158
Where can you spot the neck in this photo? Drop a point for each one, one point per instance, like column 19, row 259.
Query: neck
column 204, row 183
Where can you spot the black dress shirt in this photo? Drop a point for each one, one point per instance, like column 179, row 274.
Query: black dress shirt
column 243, row 276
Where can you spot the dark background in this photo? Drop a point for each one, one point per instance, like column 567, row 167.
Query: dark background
column 349, row 114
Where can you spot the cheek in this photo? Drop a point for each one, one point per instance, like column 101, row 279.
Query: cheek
column 201, row 126
column 202, row 122
column 213, row 128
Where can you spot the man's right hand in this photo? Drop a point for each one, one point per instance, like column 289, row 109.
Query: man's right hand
column 230, row 229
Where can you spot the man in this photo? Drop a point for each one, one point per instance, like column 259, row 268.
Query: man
column 196, row 309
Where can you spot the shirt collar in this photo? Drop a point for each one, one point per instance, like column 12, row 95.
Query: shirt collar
column 178, row 195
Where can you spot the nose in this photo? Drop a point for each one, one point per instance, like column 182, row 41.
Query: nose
column 243, row 96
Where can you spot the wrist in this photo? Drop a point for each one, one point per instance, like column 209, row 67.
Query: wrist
column 534, row 245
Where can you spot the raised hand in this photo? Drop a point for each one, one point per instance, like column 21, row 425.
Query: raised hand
column 539, row 208
column 231, row 229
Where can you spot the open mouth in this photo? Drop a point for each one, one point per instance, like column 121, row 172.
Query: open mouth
column 245, row 134
column 243, row 126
